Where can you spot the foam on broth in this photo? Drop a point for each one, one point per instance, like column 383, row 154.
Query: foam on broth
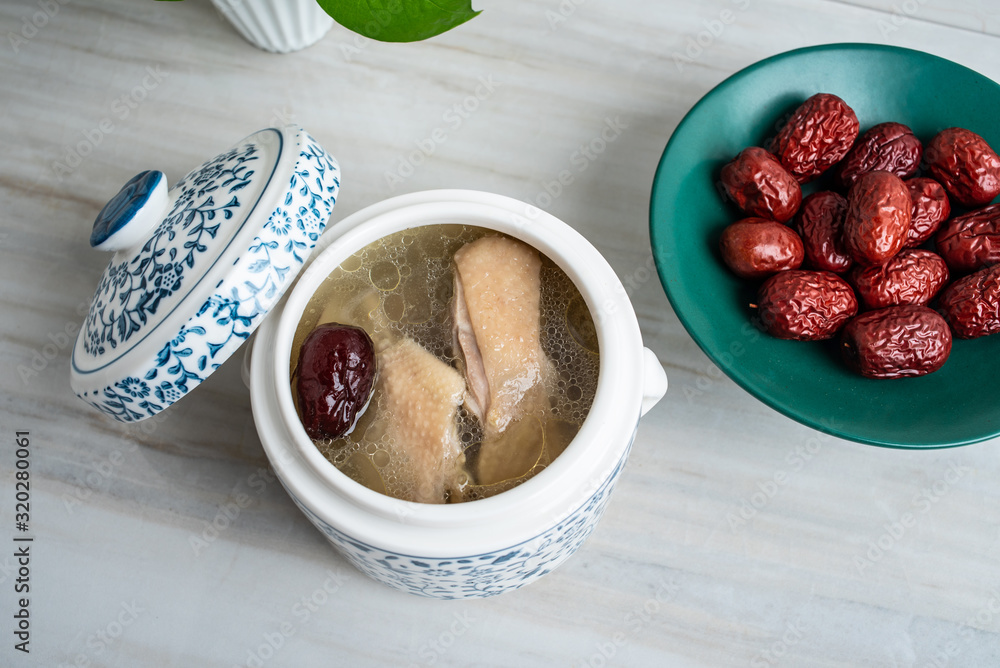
column 401, row 285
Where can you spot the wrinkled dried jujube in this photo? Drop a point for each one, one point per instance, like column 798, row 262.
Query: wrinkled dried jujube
column 891, row 147
column 760, row 186
column 897, row 341
column 971, row 305
column 819, row 133
column 878, row 217
column 913, row 276
column 971, row 241
column 820, row 223
column 965, row 165
column 931, row 207
column 805, row 305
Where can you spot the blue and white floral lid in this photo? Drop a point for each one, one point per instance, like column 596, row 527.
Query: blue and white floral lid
column 197, row 268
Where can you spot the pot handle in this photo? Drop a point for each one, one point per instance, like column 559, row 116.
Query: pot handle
column 247, row 356
column 654, row 380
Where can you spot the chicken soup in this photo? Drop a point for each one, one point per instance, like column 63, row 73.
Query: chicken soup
column 444, row 363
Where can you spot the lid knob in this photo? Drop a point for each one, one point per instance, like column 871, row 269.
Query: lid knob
column 131, row 215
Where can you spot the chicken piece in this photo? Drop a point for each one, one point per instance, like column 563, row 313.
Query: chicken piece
column 512, row 454
column 421, row 398
column 496, row 329
column 526, row 447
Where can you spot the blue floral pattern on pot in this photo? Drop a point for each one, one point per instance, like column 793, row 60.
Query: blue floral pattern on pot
column 477, row 575
column 137, row 293
column 132, row 291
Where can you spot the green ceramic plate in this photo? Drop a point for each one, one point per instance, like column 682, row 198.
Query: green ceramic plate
column 957, row 405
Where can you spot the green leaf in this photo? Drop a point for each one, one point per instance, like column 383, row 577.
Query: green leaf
column 399, row 20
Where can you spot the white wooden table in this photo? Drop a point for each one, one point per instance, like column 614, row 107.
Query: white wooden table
column 736, row 536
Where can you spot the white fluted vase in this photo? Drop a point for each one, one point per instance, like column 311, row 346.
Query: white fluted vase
column 279, row 26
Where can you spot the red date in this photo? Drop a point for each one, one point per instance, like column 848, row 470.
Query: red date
column 930, row 208
column 878, row 217
column 913, row 276
column 971, row 305
column 965, row 165
column 817, row 136
column 819, row 223
column 872, row 234
column 757, row 247
column 891, row 147
column 805, row 305
column 896, row 342
column 972, row 241
column 336, row 377
column 760, row 186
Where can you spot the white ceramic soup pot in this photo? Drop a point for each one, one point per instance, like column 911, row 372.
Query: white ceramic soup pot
column 488, row 546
